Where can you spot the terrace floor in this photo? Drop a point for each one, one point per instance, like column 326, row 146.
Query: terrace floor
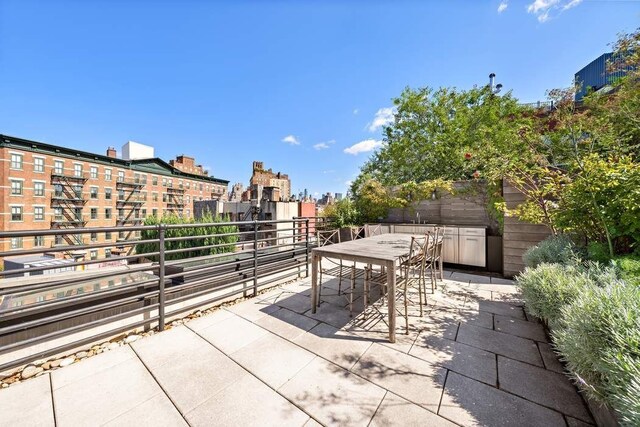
column 474, row 358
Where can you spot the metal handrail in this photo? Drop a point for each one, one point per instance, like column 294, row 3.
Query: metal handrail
column 33, row 311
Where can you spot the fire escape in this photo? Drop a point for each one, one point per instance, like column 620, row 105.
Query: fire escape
column 128, row 204
column 175, row 199
column 67, row 202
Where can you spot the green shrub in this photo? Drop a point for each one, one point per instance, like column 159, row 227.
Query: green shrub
column 600, row 341
column 598, row 251
column 549, row 287
column 554, row 249
column 629, row 267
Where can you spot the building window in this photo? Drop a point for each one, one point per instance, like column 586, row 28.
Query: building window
column 200, row 186
column 154, row 180
column 77, row 191
column 164, row 182
column 107, row 235
column 38, row 241
column 38, row 213
column 16, row 161
column 94, row 237
column 58, row 240
column 107, row 213
column 93, row 191
column 16, row 243
column 16, row 188
column 38, row 189
column 107, row 174
column 136, row 178
column 154, row 196
column 120, row 194
column 94, row 172
column 38, row 164
column 120, row 176
column 188, row 185
column 58, row 167
column 107, row 193
column 94, row 255
column 120, row 213
column 77, row 170
column 16, row 213
column 154, row 212
column 121, row 235
column 170, row 183
column 143, row 213
column 107, row 253
column 94, row 213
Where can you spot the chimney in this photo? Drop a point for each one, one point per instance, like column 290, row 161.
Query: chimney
column 111, row 152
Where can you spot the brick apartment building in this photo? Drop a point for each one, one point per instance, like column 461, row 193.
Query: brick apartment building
column 52, row 187
column 268, row 178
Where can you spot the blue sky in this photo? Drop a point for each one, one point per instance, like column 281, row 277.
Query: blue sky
column 236, row 81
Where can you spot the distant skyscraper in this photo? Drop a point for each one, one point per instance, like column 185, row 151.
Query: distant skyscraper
column 338, row 197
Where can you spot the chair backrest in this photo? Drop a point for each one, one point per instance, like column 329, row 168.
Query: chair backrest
column 357, row 232
column 434, row 247
column 328, row 237
column 372, row 230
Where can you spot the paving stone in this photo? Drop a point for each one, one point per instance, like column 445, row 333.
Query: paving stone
column 396, row 411
column 28, row 403
column 332, row 395
column 210, row 319
column 472, row 403
column 312, row 423
column 464, row 359
column 283, row 362
column 105, row 395
column 541, row 386
column 232, row 334
column 332, row 315
column 550, row 358
column 501, row 281
column 91, row 366
column 465, row 277
column 253, row 309
column 520, row 328
column 500, row 343
column 286, row 323
column 248, row 402
column 375, row 329
column 295, row 302
column 340, row 347
column 478, row 318
column 407, row 376
column 496, row 307
column 191, row 371
column 572, row 422
column 155, row 412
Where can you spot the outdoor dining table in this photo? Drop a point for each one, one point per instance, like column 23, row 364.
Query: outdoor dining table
column 384, row 250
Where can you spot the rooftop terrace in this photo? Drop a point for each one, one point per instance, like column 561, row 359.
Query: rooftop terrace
column 474, row 358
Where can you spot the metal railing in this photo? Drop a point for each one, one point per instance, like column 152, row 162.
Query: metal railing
column 178, row 268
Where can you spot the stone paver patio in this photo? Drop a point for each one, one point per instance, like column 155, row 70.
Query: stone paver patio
column 474, row 358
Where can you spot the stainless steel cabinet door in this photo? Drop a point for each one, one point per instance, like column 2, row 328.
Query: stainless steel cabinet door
column 472, row 251
column 450, row 248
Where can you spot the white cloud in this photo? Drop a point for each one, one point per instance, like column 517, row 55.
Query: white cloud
column 291, row 140
column 543, row 9
column 324, row 145
column 363, row 146
column 383, row 117
column 503, row 6
column 328, row 171
column 355, row 111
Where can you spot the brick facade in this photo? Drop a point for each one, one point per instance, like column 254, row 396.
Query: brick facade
column 43, row 185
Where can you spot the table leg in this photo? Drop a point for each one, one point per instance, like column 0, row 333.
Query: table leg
column 391, row 297
column 315, row 263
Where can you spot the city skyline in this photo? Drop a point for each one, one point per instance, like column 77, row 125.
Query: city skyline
column 309, row 96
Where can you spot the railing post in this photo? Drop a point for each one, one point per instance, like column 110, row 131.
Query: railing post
column 255, row 258
column 161, row 232
column 307, row 246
